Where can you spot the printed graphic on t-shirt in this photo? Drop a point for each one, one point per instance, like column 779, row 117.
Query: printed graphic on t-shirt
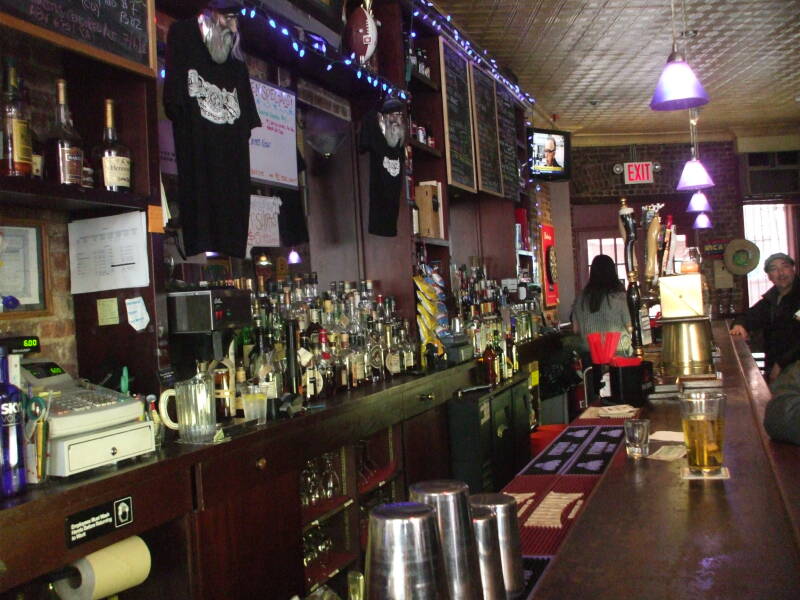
column 392, row 166
column 217, row 105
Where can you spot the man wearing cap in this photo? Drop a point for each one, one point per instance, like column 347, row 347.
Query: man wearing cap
column 776, row 316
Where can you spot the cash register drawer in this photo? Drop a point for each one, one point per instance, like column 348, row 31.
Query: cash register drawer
column 86, row 451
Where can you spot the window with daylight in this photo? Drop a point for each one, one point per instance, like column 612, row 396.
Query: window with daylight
column 615, row 248
column 766, row 226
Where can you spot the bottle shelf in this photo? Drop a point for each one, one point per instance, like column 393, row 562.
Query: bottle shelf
column 423, row 80
column 424, row 148
column 34, row 193
column 420, row 239
column 322, row 511
column 319, row 572
column 379, row 479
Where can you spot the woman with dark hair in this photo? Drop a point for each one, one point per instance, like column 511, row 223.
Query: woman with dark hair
column 601, row 306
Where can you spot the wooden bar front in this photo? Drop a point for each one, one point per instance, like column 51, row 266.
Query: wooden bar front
column 647, row 533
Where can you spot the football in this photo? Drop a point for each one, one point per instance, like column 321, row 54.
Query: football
column 361, row 34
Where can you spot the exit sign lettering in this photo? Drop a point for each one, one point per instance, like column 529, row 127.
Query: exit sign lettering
column 638, row 172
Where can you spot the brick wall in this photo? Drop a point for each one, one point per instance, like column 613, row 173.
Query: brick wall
column 39, row 65
column 594, row 183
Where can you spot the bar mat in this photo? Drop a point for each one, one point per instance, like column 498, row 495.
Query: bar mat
column 595, row 456
column 532, row 569
column 724, row 473
column 528, row 490
column 561, row 450
column 538, row 541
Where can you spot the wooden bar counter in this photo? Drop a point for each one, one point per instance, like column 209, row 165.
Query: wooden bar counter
column 647, row 533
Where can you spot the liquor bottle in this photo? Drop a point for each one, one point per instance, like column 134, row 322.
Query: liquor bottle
column 37, row 159
column 489, row 358
column 358, row 365
column 63, row 157
column 241, row 390
column 111, row 159
column 394, row 354
column 12, row 434
column 408, row 348
column 16, row 158
column 326, row 368
column 343, row 361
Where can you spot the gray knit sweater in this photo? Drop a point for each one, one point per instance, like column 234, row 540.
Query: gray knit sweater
column 613, row 315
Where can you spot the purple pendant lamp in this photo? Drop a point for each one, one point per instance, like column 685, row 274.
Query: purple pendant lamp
column 702, row 222
column 678, row 88
column 694, row 175
column 699, row 203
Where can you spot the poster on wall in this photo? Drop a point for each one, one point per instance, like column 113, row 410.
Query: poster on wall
column 263, row 230
column 550, row 271
column 273, row 146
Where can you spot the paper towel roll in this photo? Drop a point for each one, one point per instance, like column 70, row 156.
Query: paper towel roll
column 108, row 571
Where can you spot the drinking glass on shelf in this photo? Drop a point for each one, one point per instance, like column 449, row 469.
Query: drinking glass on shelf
column 330, row 478
column 306, row 486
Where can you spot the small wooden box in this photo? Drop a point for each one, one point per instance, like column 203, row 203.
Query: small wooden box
column 428, row 196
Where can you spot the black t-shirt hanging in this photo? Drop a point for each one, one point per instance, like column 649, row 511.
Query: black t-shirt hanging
column 385, row 177
column 212, row 111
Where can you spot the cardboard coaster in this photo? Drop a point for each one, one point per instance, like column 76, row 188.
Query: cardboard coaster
column 724, row 473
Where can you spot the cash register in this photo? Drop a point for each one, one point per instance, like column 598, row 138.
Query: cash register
column 89, row 426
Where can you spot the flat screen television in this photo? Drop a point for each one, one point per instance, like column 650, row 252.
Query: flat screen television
column 550, row 154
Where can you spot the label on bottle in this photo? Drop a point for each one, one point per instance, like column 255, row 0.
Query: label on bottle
column 21, row 138
column 358, row 370
column 70, row 165
column 409, row 359
column 117, row 171
column 393, row 362
column 270, row 388
column 36, row 165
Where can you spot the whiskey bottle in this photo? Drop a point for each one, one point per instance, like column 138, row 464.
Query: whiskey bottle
column 37, row 166
column 63, row 150
column 15, row 139
column 111, row 159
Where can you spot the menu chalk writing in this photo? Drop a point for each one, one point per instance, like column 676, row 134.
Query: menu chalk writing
column 484, row 104
column 116, row 26
column 507, row 127
column 458, row 117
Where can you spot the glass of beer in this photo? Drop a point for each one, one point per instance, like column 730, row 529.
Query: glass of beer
column 703, row 419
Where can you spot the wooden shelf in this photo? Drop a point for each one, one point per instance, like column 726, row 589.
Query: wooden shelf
column 432, row 241
column 318, row 573
column 423, row 80
column 424, row 148
column 378, row 479
column 314, row 515
column 34, row 193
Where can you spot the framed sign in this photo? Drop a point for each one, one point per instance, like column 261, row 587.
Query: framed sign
column 550, row 279
column 23, row 269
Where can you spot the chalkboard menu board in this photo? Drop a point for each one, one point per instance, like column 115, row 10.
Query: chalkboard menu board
column 121, row 28
column 484, row 104
column 507, row 125
column 457, row 117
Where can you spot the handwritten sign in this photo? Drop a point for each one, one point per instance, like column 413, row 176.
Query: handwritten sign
column 120, row 27
column 507, row 125
column 456, row 98
column 273, row 146
column 484, row 105
column 263, row 229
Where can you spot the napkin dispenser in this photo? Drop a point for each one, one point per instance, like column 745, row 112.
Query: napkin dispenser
column 681, row 296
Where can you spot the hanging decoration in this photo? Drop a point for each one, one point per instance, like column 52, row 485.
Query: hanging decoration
column 361, row 32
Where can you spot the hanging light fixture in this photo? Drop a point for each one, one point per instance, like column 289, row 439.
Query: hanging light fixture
column 294, row 257
column 698, row 203
column 678, row 87
column 702, row 222
column 694, row 175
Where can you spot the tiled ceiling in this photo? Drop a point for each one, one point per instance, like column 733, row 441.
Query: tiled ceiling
column 594, row 63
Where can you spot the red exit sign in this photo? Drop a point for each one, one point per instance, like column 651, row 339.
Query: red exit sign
column 638, row 172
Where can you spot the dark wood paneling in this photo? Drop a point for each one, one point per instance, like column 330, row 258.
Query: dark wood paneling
column 426, row 446
column 497, row 236
column 248, row 546
column 464, row 232
column 332, row 221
